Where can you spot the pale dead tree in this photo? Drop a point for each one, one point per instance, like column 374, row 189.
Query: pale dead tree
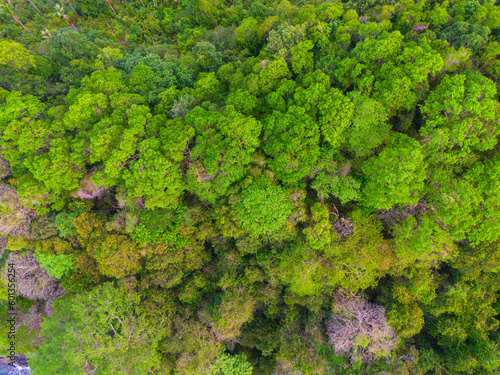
column 343, row 226
column 15, row 219
column 32, row 281
column 88, row 190
column 359, row 329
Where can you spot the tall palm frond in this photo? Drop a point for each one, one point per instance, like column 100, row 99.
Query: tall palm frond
column 10, row 12
column 69, row 21
column 73, row 9
column 34, row 6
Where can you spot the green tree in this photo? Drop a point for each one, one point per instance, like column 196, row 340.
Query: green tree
column 224, row 145
column 396, row 176
column 461, row 112
column 264, row 207
column 55, row 265
column 227, row 364
column 154, row 177
column 465, row 34
column 272, row 74
column 97, row 330
column 16, row 56
column 370, row 128
column 336, row 116
column 292, row 142
column 247, row 35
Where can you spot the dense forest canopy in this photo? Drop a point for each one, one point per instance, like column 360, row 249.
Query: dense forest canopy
column 251, row 186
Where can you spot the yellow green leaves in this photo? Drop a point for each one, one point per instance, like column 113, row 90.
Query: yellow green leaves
column 292, row 142
column 461, row 111
column 206, row 87
column 175, row 136
column 264, row 207
column 55, row 265
column 456, row 203
column 489, row 59
column 272, row 74
column 247, row 34
column 16, row 56
column 86, row 111
column 396, row 176
column 154, row 177
column 370, row 127
column 116, row 255
column 319, row 235
column 336, row 115
column 224, row 145
column 107, row 81
column 243, row 101
column 302, row 59
column 417, row 237
column 106, row 309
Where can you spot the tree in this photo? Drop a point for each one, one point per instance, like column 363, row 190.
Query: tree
column 16, row 56
column 336, row 116
column 99, row 331
column 359, row 329
column 67, row 45
column 224, row 145
column 302, row 59
column 284, row 38
column 318, row 235
column 115, row 139
column 370, row 127
column 154, row 177
column 461, row 112
column 116, row 255
column 456, row 202
column 465, row 34
column 292, row 142
column 358, row 256
column 396, row 176
column 227, row 364
column 264, row 207
column 55, row 265
column 235, row 308
column 247, row 35
column 272, row 74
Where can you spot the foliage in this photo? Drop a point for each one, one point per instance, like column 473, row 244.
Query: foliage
column 275, row 187
column 108, row 309
column 55, row 265
column 226, row 364
column 396, row 176
column 264, row 207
